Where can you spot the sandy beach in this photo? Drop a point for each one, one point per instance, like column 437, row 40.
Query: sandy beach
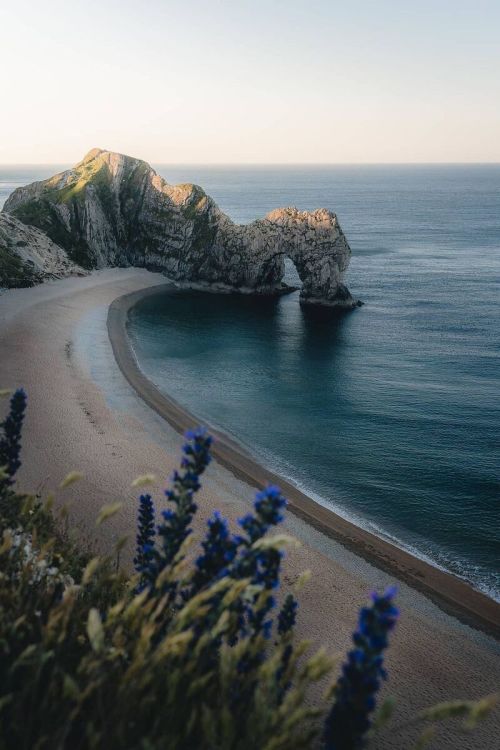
column 85, row 413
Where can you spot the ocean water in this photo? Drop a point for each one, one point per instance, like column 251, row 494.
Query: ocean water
column 389, row 414
column 13, row 176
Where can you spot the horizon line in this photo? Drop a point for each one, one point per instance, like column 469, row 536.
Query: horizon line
column 275, row 164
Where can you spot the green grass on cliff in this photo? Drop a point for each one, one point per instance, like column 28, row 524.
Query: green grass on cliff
column 41, row 213
column 36, row 212
column 94, row 173
column 197, row 202
column 125, row 202
column 15, row 273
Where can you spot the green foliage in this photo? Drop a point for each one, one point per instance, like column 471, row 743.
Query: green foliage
column 101, row 183
column 471, row 712
column 15, row 273
column 89, row 663
column 41, row 213
column 36, row 212
column 94, row 665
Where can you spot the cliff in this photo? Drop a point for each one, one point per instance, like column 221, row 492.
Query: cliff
column 28, row 256
column 113, row 210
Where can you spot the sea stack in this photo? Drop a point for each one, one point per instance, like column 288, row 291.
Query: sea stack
column 114, row 210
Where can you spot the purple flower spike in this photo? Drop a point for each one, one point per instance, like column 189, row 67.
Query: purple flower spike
column 349, row 719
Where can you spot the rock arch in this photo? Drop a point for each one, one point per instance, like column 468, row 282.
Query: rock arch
column 113, row 210
column 316, row 245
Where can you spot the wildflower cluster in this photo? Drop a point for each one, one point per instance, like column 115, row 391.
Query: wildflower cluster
column 176, row 524
column 25, row 561
column 259, row 563
column 246, row 557
column 224, row 554
column 349, row 719
column 219, row 550
column 181, row 660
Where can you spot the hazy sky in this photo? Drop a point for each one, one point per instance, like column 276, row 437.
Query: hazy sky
column 251, row 81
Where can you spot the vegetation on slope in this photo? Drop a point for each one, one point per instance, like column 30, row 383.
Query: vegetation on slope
column 41, row 213
column 14, row 272
column 188, row 654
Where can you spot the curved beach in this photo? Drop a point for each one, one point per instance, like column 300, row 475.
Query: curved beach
column 105, row 418
column 451, row 593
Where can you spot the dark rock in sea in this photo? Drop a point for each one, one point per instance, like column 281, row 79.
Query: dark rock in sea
column 113, row 210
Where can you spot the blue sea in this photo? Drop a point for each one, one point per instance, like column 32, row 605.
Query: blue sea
column 389, row 414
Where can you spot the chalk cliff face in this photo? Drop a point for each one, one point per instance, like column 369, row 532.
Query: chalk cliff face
column 28, row 255
column 114, row 210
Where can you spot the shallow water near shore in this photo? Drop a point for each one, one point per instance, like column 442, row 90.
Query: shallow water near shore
column 388, row 414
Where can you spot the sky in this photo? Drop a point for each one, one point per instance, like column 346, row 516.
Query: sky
column 248, row 81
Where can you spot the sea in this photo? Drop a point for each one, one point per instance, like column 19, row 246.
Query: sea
column 389, row 414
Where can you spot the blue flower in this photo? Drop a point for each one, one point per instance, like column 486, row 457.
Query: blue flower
column 267, row 505
column 349, row 719
column 261, row 566
column 220, row 549
column 176, row 524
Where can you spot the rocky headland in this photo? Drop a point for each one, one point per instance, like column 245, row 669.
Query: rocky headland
column 114, row 210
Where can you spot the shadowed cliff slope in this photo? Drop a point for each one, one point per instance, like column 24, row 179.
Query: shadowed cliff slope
column 28, row 256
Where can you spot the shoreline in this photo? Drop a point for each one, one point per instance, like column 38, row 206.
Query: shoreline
column 84, row 415
column 453, row 595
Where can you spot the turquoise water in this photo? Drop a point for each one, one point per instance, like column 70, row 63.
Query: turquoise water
column 389, row 414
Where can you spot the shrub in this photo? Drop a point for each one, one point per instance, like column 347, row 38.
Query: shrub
column 186, row 654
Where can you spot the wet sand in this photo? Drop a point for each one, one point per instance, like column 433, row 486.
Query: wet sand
column 84, row 414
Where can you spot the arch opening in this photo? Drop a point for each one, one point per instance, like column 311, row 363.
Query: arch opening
column 290, row 273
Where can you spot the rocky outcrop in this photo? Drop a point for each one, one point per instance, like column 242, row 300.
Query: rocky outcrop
column 114, row 210
column 28, row 256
